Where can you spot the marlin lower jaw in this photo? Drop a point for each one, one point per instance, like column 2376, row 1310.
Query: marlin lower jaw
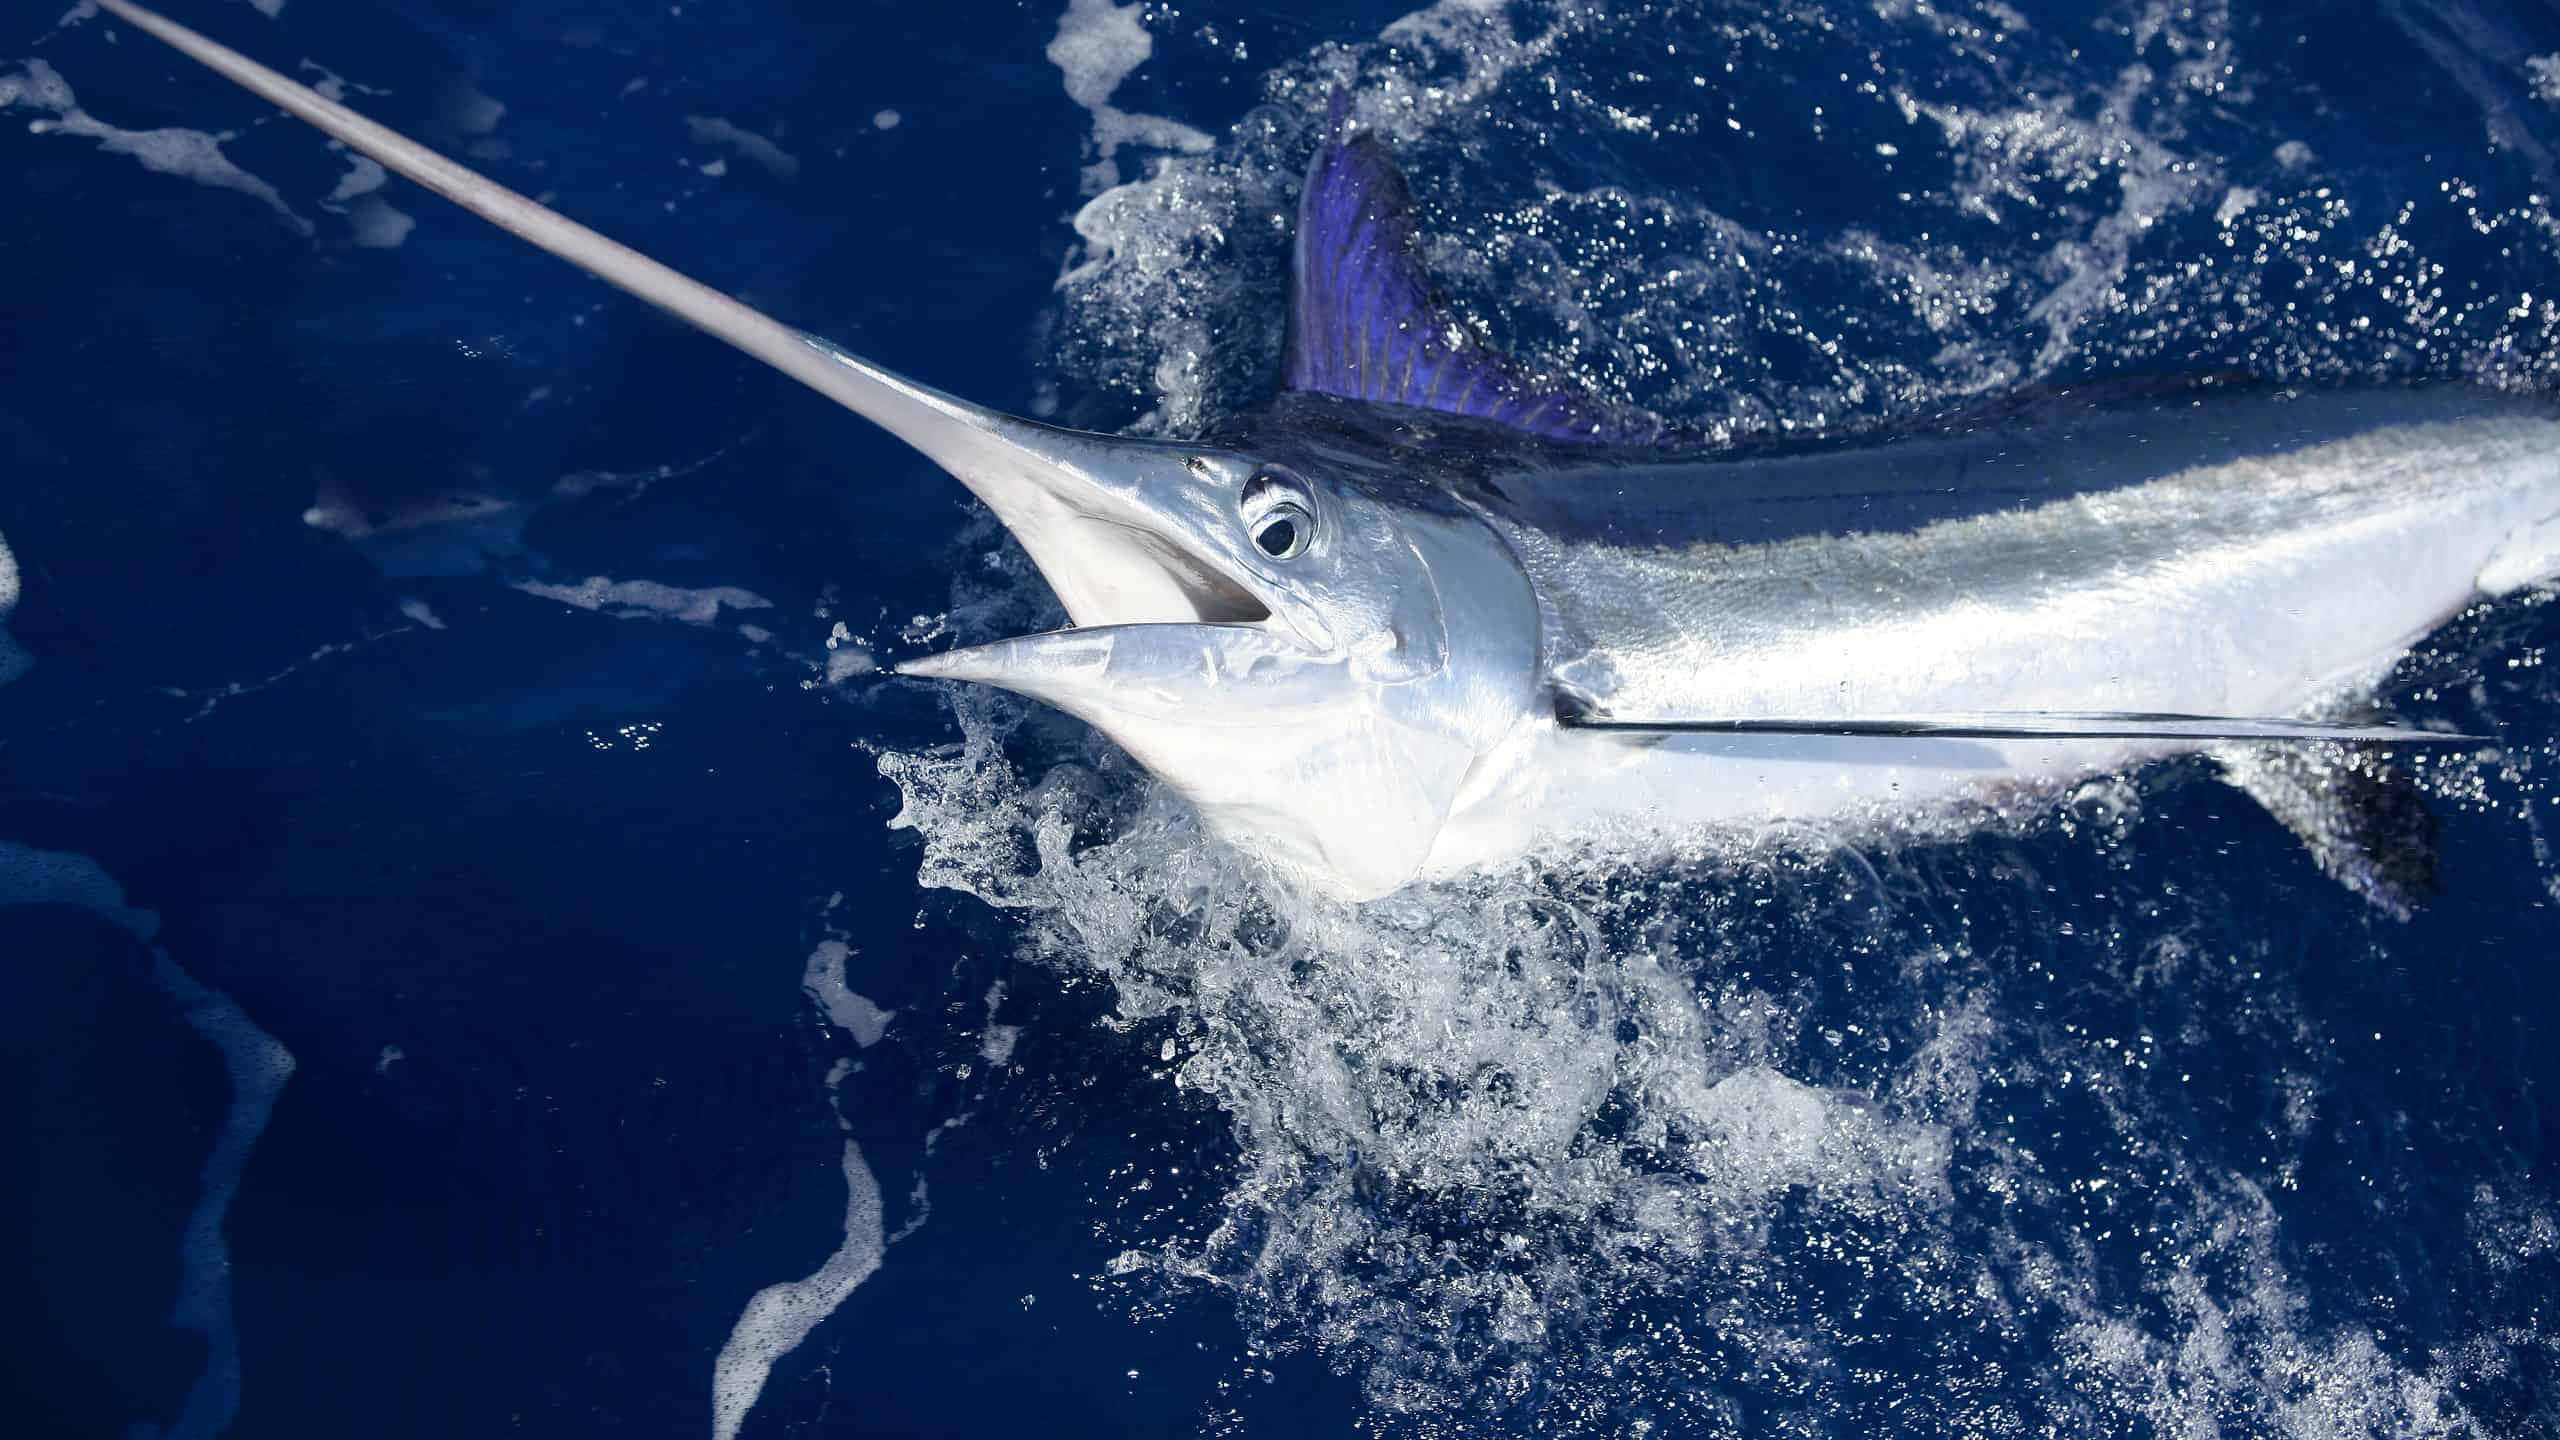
column 1214, row 675
column 1250, row 726
column 1157, row 628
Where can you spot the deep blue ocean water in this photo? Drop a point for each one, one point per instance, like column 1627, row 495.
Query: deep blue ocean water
column 460, row 680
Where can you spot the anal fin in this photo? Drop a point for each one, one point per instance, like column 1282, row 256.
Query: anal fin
column 2362, row 817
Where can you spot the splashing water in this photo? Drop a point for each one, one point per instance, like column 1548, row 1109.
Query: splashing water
column 1971, row 1138
column 1988, row 201
column 1965, row 1139
column 13, row 661
column 2039, row 1130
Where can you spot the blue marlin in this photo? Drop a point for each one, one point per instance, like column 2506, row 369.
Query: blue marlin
column 1427, row 615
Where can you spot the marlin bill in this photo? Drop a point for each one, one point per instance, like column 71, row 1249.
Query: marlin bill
column 1427, row 612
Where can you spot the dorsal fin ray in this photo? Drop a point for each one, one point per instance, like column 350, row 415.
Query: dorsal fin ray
column 1364, row 325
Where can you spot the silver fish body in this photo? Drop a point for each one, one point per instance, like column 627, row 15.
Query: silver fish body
column 1346, row 632
column 2218, row 554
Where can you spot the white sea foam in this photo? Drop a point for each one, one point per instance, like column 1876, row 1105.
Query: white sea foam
column 996, row 1041
column 2007, row 157
column 256, row 1067
column 1628, row 1140
column 211, row 698
column 852, row 1013
column 648, row 600
column 330, row 85
column 2543, row 76
column 13, row 660
column 845, row 659
column 1625, row 1139
column 2239, row 1352
column 474, row 113
column 779, row 1317
column 1098, row 45
column 376, row 224
column 188, row 154
column 1469, row 1100
column 1158, row 274
column 745, row 144
column 2072, row 172
column 364, row 176
column 579, row 484
column 54, row 877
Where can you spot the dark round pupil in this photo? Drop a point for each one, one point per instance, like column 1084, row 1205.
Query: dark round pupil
column 1279, row 535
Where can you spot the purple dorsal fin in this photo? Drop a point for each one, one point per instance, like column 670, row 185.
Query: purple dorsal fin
column 1362, row 321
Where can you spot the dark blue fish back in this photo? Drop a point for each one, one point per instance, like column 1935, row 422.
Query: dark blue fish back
column 1362, row 321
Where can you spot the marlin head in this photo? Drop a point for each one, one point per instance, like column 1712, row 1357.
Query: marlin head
column 1343, row 665
column 1317, row 662
column 1315, row 659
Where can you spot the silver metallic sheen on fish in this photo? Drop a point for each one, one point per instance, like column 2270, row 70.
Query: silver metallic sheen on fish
column 1428, row 615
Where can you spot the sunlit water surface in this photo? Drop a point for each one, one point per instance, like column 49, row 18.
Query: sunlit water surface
column 475, row 687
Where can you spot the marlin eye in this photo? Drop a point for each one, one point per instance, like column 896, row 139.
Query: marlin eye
column 1279, row 513
column 1282, row 532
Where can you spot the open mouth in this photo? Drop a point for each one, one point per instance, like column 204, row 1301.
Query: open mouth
column 1178, row 587
column 1125, row 531
column 1166, row 628
column 1155, row 620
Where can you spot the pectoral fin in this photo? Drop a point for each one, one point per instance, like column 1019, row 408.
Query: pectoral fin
column 2363, row 819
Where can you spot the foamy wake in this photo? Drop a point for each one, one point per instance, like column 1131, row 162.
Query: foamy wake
column 1607, row 1142
column 648, row 599
column 254, row 1063
column 2056, row 212
column 172, row 150
column 13, row 660
column 256, row 1066
column 1918, row 1139
column 780, row 1316
column 1097, row 46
